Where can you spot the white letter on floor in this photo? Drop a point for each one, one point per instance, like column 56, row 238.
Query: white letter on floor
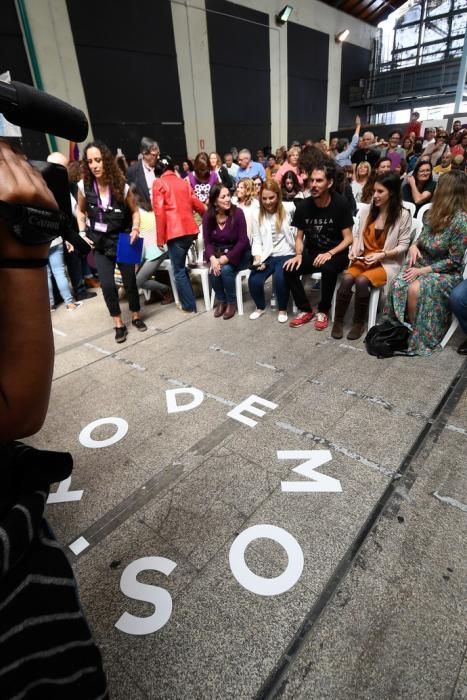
column 161, row 599
column 315, row 458
column 172, row 405
column 258, row 584
column 62, row 495
column 247, row 405
column 85, row 435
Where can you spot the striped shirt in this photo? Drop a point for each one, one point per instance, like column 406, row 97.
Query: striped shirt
column 46, row 647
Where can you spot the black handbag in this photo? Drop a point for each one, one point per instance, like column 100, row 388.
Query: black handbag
column 387, row 339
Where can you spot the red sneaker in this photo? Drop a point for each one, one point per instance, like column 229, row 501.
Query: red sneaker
column 321, row 321
column 303, row 317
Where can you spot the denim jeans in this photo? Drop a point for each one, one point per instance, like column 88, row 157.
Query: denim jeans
column 257, row 278
column 224, row 284
column 56, row 267
column 178, row 249
column 458, row 304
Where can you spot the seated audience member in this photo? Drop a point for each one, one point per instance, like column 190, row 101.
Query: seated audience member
column 226, row 248
column 407, row 145
column 377, row 253
column 324, row 224
column 273, row 244
column 438, row 149
column 383, row 166
column 260, row 156
column 444, row 166
column 461, row 148
column 343, row 186
column 458, row 306
column 430, row 137
column 174, row 202
column 415, row 155
column 257, row 182
column 420, row 185
column 245, row 199
column 141, row 173
column 394, row 151
column 414, row 126
column 272, row 167
column 202, row 178
column 187, row 167
column 215, row 163
column 290, row 186
column 248, row 167
column 456, row 127
column 362, row 173
column 346, row 149
column 293, row 156
column 332, row 146
column 419, row 295
column 366, row 151
column 281, row 155
column 153, row 256
column 232, row 167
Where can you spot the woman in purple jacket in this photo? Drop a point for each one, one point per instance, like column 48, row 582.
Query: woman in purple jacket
column 227, row 248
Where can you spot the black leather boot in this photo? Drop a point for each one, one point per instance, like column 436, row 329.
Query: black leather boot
column 342, row 304
column 359, row 317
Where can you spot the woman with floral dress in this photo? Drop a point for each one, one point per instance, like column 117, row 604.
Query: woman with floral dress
column 419, row 295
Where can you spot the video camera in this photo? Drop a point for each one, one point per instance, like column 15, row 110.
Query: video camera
column 27, row 107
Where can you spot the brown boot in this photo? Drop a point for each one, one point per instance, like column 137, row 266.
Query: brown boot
column 167, row 298
column 219, row 310
column 359, row 317
column 342, row 304
column 230, row 311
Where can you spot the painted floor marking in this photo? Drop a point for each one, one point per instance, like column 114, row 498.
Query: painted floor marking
column 451, row 501
column 102, row 351
column 350, row 347
column 79, row 545
column 219, row 399
column 337, row 448
column 455, row 429
column 216, row 348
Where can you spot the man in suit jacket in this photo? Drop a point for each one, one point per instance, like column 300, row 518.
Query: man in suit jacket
column 141, row 175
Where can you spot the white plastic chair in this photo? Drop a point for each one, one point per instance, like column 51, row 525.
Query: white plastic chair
column 242, row 275
column 202, row 271
column 167, row 265
column 410, row 206
column 454, row 323
column 422, row 211
column 417, row 227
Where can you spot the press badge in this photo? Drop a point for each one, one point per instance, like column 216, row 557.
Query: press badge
column 99, row 226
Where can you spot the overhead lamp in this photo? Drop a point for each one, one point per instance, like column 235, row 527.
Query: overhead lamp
column 283, row 16
column 342, row 36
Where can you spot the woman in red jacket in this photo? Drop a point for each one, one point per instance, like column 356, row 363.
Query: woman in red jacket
column 173, row 203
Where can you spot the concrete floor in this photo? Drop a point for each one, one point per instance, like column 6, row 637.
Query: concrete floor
column 369, row 584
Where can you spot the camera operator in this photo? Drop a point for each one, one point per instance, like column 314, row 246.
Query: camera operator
column 46, row 648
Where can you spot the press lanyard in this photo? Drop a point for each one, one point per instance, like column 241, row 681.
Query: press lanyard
column 100, row 206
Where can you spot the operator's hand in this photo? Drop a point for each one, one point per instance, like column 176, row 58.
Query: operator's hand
column 21, row 184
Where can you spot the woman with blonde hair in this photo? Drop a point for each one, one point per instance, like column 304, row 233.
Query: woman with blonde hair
column 419, row 295
column 362, row 174
column 245, row 200
column 293, row 155
column 273, row 244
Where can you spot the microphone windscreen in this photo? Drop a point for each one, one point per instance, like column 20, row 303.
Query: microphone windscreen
column 40, row 111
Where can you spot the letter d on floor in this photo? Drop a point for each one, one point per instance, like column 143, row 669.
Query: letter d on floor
column 174, row 407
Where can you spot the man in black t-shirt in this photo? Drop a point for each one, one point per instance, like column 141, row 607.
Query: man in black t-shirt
column 324, row 233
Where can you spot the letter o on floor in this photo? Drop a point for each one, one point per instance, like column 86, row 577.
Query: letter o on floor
column 85, row 435
column 258, row 584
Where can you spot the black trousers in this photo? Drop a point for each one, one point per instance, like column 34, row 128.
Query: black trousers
column 105, row 268
column 329, row 272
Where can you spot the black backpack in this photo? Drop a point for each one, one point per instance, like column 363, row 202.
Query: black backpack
column 387, row 339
